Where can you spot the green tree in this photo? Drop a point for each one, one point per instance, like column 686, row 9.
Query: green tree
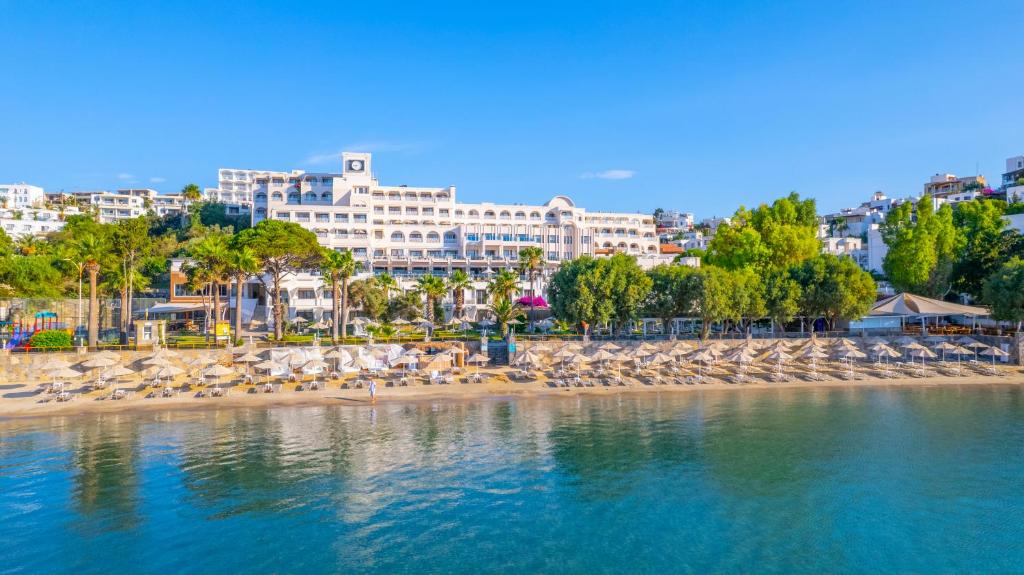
column 369, row 297
column 579, row 294
column 338, row 267
column 782, row 297
column 458, row 282
column 770, row 237
column 241, row 264
column 387, row 284
column 433, row 289
column 406, row 305
column 505, row 285
column 922, row 247
column 629, row 286
column 282, row 249
column 504, row 311
column 674, row 292
column 1004, row 291
column 213, row 255
column 129, row 243
column 748, row 297
column 531, row 262
column 987, row 244
column 834, row 288
column 715, row 302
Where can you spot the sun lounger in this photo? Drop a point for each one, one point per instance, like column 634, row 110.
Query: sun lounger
column 64, row 396
column 167, row 392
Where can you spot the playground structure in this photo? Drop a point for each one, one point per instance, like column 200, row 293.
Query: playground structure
column 20, row 332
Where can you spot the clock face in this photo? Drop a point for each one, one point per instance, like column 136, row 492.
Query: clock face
column 356, row 165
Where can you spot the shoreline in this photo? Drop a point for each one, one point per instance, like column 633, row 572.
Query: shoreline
column 32, row 407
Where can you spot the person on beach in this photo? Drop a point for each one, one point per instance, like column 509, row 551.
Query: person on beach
column 373, row 391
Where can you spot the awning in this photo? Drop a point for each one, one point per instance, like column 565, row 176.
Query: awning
column 172, row 307
column 909, row 304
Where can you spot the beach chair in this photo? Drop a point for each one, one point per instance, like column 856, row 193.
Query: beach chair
column 167, row 392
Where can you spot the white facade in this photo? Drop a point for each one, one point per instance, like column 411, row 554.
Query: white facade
column 129, row 203
column 21, row 196
column 234, row 190
column 412, row 231
column 18, row 223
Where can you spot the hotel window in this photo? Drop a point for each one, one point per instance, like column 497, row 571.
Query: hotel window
column 489, row 215
column 397, row 237
column 552, row 239
column 442, row 211
column 306, row 294
column 327, row 180
column 378, row 210
column 277, row 196
column 293, row 181
column 378, row 234
column 360, row 218
column 585, row 240
column 433, row 237
column 359, row 252
column 277, row 181
column 392, row 210
column 323, row 217
column 458, row 213
column 568, row 255
column 412, row 211
column 284, row 215
column 552, row 256
column 450, row 237
column 361, row 190
column 397, row 253
column 427, row 211
column 568, row 240
column 341, row 218
column 302, row 216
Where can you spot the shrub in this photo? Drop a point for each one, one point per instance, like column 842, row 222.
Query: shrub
column 51, row 338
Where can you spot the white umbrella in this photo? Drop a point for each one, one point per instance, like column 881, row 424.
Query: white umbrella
column 994, row 352
column 55, row 364
column 64, row 373
column 300, row 319
column 99, row 361
column 118, row 371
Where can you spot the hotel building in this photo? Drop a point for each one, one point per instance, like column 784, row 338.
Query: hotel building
column 412, row 231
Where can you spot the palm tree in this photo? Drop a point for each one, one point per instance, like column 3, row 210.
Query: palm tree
column 339, row 266
column 91, row 249
column 199, row 279
column 504, row 310
column 241, row 264
column 458, row 282
column 212, row 254
column 433, row 288
column 531, row 261
column 388, row 284
column 504, row 285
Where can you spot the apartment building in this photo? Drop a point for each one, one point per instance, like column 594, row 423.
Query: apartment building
column 20, row 196
column 1013, row 179
column 948, row 188
column 19, row 223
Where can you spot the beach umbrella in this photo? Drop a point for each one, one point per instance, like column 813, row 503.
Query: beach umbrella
column 945, row 346
column 848, row 355
column 967, row 341
column 609, row 346
column 300, row 319
column 54, row 364
column 646, row 348
column 269, row 367
column 169, row 371
column 478, row 359
column 118, row 372
column 660, row 358
column 994, row 352
column 64, row 373
column 923, row 353
column 778, row 356
column 704, row 357
column 99, row 361
column 314, row 367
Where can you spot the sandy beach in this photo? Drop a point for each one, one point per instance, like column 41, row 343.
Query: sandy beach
column 32, row 400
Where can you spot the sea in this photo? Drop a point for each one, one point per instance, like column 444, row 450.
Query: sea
column 824, row 480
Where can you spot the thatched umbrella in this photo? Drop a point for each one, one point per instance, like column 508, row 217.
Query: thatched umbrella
column 848, row 355
column 703, row 356
column 63, row 373
column 994, row 352
column 269, row 367
column 778, row 356
column 218, row 371
column 923, row 353
column 117, row 372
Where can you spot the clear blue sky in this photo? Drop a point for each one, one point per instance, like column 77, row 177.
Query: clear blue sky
column 628, row 106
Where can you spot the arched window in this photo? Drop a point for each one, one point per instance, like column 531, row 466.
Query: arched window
column 310, row 196
column 326, row 196
column 261, row 197
column 261, row 211
column 410, row 196
column 534, row 215
column 433, row 237
column 293, row 197
column 520, row 215
column 489, row 215
column 505, row 215
column 415, row 237
column 397, row 237
column 277, row 196
column 651, row 249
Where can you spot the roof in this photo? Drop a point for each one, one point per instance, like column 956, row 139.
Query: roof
column 910, row 304
column 670, row 249
column 175, row 307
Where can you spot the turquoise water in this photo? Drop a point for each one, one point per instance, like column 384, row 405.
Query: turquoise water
column 924, row 480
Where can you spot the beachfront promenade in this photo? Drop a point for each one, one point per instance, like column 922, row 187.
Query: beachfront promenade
column 249, row 375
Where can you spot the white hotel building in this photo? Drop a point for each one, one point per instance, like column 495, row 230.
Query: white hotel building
column 412, row 231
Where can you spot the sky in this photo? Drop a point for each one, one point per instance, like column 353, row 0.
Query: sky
column 699, row 106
